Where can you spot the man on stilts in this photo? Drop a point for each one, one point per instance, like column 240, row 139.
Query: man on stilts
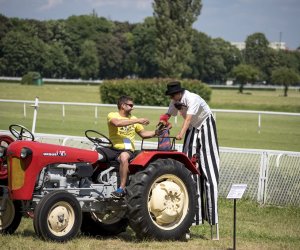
column 200, row 139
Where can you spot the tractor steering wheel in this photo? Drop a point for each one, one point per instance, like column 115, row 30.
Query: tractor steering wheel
column 107, row 143
column 20, row 132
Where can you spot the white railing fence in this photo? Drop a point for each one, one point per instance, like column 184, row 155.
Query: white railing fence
column 35, row 104
column 272, row 177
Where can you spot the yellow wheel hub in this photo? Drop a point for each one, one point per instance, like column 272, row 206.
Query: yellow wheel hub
column 168, row 201
column 61, row 218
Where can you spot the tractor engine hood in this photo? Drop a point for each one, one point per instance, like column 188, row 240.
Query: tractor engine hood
column 27, row 158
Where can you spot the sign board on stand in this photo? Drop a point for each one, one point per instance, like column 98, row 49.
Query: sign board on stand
column 236, row 192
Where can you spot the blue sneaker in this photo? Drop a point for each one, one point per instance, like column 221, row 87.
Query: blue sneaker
column 119, row 193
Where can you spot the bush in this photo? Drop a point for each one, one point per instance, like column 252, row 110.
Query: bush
column 31, row 78
column 148, row 91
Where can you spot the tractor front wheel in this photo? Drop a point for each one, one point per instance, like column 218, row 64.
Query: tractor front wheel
column 57, row 217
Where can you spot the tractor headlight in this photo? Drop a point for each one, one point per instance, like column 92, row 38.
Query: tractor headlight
column 25, row 152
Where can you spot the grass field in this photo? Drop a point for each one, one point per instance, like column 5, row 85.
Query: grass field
column 256, row 100
column 257, row 228
column 234, row 130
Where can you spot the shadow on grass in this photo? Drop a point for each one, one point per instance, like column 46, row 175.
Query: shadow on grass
column 130, row 237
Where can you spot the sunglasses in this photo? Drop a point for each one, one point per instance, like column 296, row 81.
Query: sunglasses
column 129, row 104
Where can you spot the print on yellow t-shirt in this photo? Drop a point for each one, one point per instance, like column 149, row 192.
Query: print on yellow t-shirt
column 123, row 137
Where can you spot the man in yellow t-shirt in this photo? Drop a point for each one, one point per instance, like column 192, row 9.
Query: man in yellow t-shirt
column 122, row 127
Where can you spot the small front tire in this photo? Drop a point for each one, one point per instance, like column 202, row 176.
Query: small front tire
column 58, row 217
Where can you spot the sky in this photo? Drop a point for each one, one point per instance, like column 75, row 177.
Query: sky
column 232, row 20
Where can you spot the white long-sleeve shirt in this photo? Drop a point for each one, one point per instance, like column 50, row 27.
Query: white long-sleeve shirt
column 195, row 106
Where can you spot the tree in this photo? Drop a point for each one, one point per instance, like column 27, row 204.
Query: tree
column 5, row 26
column 111, row 56
column 259, row 55
column 123, row 33
column 213, row 59
column 174, row 20
column 222, row 58
column 88, row 63
column 144, row 36
column 129, row 64
column 256, row 47
column 200, row 49
column 22, row 53
column 57, row 62
column 290, row 59
column 80, row 29
column 285, row 76
column 244, row 73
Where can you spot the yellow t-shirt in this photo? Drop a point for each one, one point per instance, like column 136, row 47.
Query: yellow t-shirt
column 122, row 137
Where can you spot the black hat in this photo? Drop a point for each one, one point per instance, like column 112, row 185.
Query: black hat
column 173, row 88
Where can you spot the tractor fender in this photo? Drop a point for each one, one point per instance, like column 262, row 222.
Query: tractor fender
column 145, row 157
column 3, row 171
column 6, row 139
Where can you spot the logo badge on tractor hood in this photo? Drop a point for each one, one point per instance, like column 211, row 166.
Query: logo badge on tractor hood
column 61, row 153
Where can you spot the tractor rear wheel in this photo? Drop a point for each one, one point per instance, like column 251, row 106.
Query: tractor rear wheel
column 162, row 200
column 57, row 217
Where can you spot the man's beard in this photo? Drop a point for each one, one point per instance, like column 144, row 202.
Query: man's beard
column 128, row 113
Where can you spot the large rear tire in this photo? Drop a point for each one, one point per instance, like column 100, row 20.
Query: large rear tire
column 57, row 217
column 162, row 200
column 10, row 219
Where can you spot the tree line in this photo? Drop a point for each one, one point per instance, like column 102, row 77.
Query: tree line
column 163, row 45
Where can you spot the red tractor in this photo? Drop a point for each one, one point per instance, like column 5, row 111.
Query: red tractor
column 68, row 190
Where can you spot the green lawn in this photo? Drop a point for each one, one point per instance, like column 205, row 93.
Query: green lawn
column 234, row 130
column 257, row 228
column 256, row 100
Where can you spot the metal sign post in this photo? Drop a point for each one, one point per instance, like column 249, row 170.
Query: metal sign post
column 236, row 192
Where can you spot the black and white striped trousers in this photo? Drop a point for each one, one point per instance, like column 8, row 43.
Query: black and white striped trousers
column 204, row 142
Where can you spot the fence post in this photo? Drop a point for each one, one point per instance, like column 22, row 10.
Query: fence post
column 96, row 114
column 262, row 185
column 36, row 105
column 259, row 122
column 24, row 110
column 63, row 111
column 266, row 177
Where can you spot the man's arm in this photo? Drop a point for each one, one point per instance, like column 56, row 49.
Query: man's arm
column 146, row 134
column 125, row 122
column 185, row 126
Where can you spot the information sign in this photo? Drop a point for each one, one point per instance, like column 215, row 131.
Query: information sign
column 236, row 191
